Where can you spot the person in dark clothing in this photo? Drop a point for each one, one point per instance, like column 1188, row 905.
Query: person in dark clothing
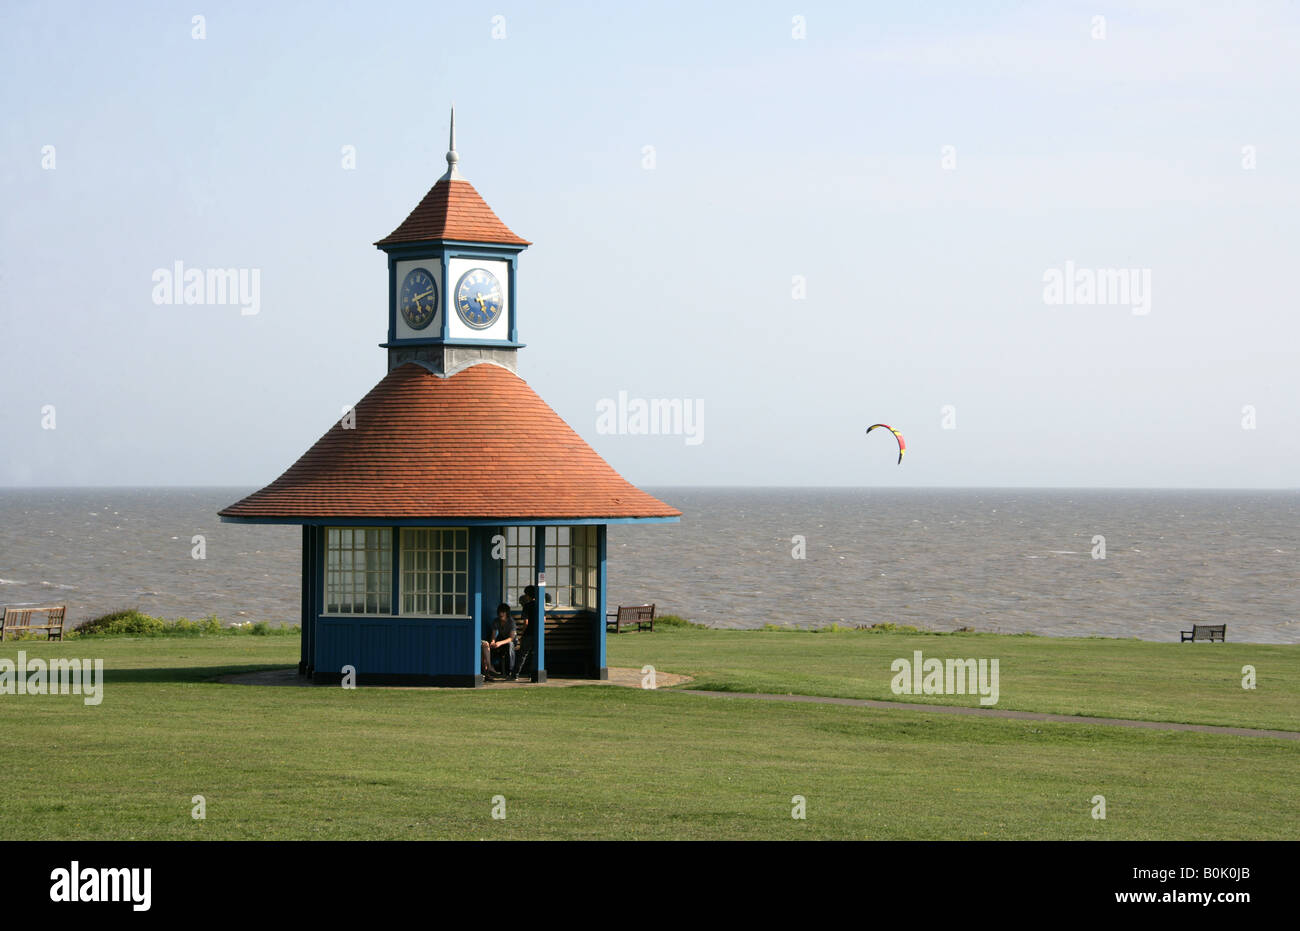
column 528, row 639
column 500, row 643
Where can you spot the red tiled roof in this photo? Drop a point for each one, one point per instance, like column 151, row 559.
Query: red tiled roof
column 453, row 210
column 478, row 444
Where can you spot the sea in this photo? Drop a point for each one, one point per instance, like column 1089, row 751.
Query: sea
column 1055, row 562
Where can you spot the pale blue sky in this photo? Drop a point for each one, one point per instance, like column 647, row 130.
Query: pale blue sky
column 775, row 157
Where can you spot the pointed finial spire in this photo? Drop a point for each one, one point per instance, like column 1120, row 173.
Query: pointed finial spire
column 452, row 158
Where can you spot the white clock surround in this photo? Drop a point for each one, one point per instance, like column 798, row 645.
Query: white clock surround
column 456, row 328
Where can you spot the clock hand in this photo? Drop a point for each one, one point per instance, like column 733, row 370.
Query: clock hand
column 418, row 297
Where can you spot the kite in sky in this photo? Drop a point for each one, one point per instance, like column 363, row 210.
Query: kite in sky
column 902, row 445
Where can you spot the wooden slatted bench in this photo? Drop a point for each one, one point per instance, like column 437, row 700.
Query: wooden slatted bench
column 18, row 619
column 1210, row 632
column 568, row 634
column 643, row 616
column 570, row 644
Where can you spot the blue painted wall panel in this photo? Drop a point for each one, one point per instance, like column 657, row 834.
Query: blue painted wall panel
column 396, row 646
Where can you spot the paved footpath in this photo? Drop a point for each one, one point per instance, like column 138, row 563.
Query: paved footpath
column 999, row 713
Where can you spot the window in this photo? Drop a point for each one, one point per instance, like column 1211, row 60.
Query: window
column 435, row 572
column 572, row 573
column 359, row 570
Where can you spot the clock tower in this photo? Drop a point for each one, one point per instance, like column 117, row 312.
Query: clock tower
column 452, row 292
column 404, row 507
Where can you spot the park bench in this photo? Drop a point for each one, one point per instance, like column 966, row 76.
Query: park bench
column 18, row 618
column 1209, row 632
column 643, row 616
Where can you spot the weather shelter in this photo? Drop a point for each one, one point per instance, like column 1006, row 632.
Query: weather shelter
column 451, row 485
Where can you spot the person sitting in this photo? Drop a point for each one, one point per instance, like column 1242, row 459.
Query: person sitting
column 500, row 643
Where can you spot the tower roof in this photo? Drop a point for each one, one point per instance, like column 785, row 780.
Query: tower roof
column 453, row 210
column 477, row 444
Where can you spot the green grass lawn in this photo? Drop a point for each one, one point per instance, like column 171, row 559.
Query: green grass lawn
column 599, row 761
column 1194, row 683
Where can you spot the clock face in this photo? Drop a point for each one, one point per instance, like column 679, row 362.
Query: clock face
column 478, row 298
column 419, row 298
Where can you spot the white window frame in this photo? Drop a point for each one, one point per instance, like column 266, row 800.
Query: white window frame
column 454, row 565
column 563, row 578
column 383, row 594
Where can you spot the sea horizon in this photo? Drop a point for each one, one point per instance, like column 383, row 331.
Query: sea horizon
column 1143, row 563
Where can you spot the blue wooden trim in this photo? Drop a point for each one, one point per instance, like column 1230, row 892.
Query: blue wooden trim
column 389, row 618
column 404, row 250
column 514, row 300
column 448, row 521
column 308, row 598
column 395, row 555
column 500, row 343
column 445, row 296
column 600, row 598
column 446, row 341
column 539, row 616
column 318, row 591
column 484, row 248
column 304, row 592
column 392, row 298
column 475, row 544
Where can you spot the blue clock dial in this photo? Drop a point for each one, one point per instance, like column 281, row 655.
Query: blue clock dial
column 419, row 298
column 478, row 298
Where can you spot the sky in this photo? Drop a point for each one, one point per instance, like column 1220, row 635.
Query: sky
column 802, row 218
